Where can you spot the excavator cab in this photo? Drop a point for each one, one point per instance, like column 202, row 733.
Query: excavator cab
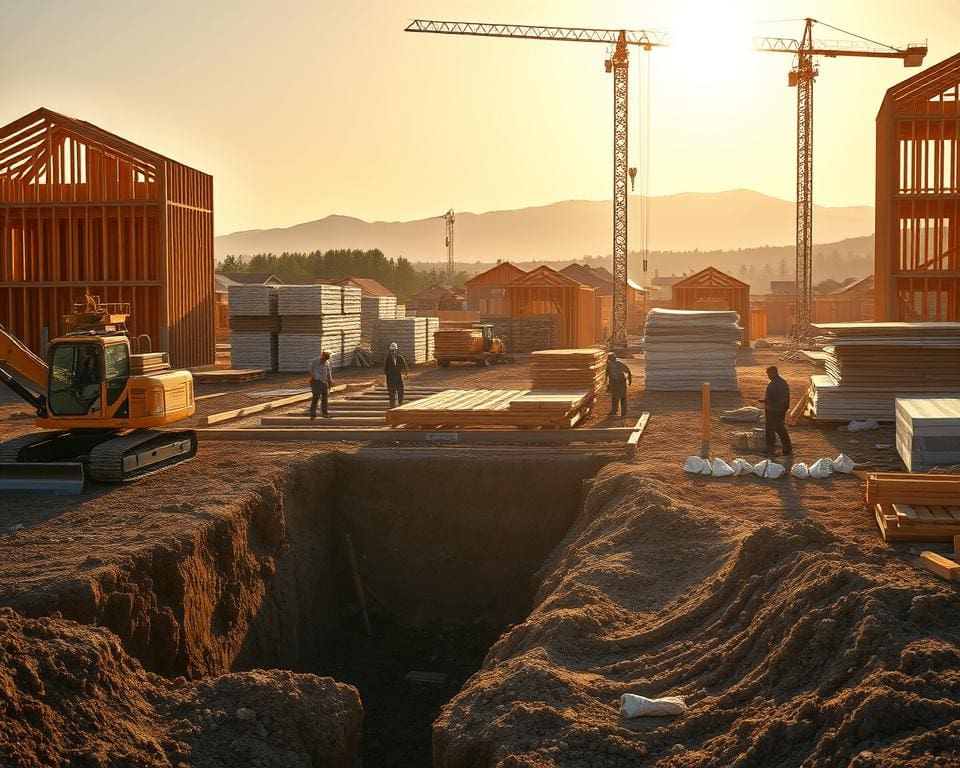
column 491, row 344
column 88, row 376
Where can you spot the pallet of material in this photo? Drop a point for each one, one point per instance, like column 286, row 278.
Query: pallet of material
column 352, row 300
column 148, row 362
column 928, row 432
column 412, row 335
column 491, row 408
column 685, row 348
column 253, row 349
column 915, row 507
column 252, row 299
column 449, row 342
column 867, row 366
column 568, row 370
column 311, row 300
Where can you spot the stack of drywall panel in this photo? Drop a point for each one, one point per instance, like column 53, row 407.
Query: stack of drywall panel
column 685, row 348
column 928, row 432
column 869, row 365
column 254, row 326
column 352, row 300
column 311, row 300
column 411, row 335
column 373, row 310
column 312, row 320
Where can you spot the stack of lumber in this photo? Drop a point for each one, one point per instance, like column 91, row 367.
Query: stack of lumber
column 568, row 370
column 373, row 309
column 915, row 507
column 685, row 348
column 254, row 325
column 412, row 335
column 431, row 328
column 928, row 432
column 869, row 365
column 313, row 319
column 456, row 342
column 491, row 408
column 148, row 362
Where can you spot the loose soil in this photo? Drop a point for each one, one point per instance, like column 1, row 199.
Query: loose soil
column 796, row 634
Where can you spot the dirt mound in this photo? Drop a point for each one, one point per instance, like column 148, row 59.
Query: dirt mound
column 791, row 647
column 70, row 696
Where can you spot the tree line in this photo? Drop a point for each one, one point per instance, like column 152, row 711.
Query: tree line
column 399, row 275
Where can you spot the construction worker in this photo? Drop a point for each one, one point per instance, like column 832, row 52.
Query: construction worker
column 776, row 403
column 321, row 379
column 395, row 368
column 617, row 377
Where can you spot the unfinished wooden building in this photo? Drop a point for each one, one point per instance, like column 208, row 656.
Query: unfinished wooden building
column 487, row 292
column 544, row 291
column 917, row 261
column 712, row 289
column 83, row 210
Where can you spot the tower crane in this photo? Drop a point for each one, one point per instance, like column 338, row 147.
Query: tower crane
column 449, row 218
column 801, row 77
column 617, row 65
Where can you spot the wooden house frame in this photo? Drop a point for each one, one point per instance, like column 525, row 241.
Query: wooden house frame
column 917, row 257
column 487, row 291
column 83, row 210
column 712, row 289
column 544, row 291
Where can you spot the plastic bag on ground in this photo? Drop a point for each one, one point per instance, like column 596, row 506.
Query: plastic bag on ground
column 800, row 470
column 741, row 467
column 821, row 468
column 632, row 705
column 769, row 469
column 697, row 466
column 842, row 464
column 720, row 468
column 860, row 426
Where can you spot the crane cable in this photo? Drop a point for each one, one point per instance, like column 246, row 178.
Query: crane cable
column 643, row 106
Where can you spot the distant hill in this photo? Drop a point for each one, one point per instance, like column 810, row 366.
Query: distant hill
column 565, row 230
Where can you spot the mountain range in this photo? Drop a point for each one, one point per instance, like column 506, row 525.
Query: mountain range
column 565, row 230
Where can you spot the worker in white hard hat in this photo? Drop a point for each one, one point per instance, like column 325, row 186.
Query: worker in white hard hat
column 395, row 369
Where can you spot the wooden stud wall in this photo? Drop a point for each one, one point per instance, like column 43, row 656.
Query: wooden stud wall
column 917, row 262
column 83, row 210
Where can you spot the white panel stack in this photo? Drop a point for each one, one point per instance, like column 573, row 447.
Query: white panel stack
column 373, row 310
column 351, row 300
column 928, row 432
column 685, row 348
column 433, row 325
column 253, row 338
column 312, row 319
column 311, row 300
column 410, row 335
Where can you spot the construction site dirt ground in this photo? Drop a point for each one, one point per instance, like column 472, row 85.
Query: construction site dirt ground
column 795, row 633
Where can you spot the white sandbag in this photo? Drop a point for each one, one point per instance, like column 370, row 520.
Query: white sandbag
column 861, row 426
column 769, row 469
column 741, row 467
column 748, row 414
column 842, row 464
column 720, row 468
column 697, row 466
column 632, row 705
column 800, row 470
column 821, row 468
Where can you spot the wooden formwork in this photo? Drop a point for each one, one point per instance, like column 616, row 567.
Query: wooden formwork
column 83, row 210
column 917, row 258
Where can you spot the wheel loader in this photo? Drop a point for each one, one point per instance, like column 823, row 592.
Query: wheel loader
column 99, row 405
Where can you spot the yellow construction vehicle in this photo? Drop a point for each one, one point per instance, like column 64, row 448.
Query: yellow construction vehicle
column 99, row 399
column 470, row 345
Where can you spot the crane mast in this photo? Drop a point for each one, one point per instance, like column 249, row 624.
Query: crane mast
column 801, row 77
column 449, row 218
column 618, row 65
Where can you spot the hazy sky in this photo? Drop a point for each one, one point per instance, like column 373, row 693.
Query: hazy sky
column 302, row 108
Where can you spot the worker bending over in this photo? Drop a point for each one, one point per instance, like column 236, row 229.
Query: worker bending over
column 617, row 377
column 776, row 403
column 395, row 368
column 321, row 379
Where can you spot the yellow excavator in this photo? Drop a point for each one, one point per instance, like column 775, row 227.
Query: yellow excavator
column 99, row 403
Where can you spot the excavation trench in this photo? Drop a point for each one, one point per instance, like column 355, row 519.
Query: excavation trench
column 445, row 547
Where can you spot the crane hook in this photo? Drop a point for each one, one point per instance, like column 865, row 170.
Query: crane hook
column 633, row 178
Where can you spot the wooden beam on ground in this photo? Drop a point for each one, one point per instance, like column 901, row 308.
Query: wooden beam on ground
column 942, row 566
column 321, row 423
column 239, row 413
column 208, row 397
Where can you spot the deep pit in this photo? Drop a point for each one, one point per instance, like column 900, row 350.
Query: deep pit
column 446, row 547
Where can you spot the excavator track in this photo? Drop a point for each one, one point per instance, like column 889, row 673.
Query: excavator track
column 138, row 453
column 10, row 449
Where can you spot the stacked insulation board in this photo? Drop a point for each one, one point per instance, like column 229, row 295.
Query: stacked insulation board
column 314, row 318
column 412, row 335
column 685, row 348
column 254, row 325
column 373, row 310
column 491, row 408
column 928, row 433
column 869, row 365
column 568, row 370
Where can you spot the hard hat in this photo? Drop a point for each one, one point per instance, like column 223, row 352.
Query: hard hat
column 393, row 346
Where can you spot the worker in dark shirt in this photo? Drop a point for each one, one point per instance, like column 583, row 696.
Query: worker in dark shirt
column 394, row 369
column 617, row 377
column 776, row 403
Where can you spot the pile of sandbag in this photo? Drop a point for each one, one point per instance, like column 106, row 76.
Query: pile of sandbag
column 770, row 470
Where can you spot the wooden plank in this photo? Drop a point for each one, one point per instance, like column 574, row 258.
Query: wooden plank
column 239, row 413
column 940, row 565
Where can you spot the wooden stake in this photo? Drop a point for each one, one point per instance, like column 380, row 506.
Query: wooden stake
column 705, row 444
column 358, row 587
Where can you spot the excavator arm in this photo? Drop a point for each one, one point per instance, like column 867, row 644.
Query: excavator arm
column 15, row 357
